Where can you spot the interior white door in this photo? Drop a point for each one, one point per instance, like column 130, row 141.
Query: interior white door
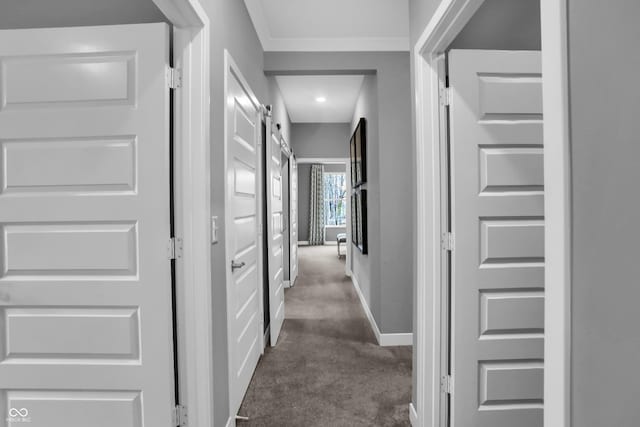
column 85, row 284
column 275, row 226
column 293, row 218
column 497, row 209
column 243, row 239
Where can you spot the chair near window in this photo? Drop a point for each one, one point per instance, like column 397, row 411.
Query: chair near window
column 341, row 238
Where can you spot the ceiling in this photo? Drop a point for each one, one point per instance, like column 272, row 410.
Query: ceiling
column 300, row 95
column 331, row 25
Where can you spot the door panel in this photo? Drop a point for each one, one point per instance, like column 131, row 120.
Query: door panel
column 275, row 237
column 85, row 282
column 242, row 238
column 497, row 209
column 293, row 218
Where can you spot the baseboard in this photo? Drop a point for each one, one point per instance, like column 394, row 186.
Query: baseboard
column 366, row 309
column 231, row 422
column 384, row 340
column 331, row 243
column 303, row 243
column 287, row 283
column 392, row 340
column 413, row 415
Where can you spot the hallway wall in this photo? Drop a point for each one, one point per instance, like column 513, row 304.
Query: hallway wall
column 604, row 152
column 391, row 277
column 69, row 13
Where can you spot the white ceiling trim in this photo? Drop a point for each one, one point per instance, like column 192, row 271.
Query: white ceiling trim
column 347, row 44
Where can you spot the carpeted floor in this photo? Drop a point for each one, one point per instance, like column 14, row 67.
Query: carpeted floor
column 327, row 369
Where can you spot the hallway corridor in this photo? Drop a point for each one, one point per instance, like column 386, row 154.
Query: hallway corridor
column 327, row 369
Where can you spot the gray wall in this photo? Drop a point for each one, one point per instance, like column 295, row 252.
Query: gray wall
column 604, row 65
column 280, row 113
column 69, row 13
column 395, row 158
column 502, row 24
column 366, row 269
column 320, row 140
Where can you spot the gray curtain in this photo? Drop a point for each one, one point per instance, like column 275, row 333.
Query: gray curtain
column 316, row 206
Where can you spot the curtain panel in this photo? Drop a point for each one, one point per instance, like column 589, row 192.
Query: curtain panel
column 316, row 206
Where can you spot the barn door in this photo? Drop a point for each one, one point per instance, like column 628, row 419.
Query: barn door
column 243, row 239
column 293, row 218
column 498, row 228
column 275, row 226
column 85, row 285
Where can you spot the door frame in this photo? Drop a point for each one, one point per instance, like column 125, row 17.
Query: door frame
column 335, row 161
column 448, row 20
column 192, row 207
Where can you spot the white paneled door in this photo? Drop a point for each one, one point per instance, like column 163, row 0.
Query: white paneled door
column 293, row 219
column 275, row 226
column 244, row 269
column 85, row 283
column 497, row 221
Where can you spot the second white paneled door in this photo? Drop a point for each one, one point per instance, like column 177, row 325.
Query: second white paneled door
column 497, row 208
column 293, row 218
column 275, row 226
column 85, row 281
column 243, row 239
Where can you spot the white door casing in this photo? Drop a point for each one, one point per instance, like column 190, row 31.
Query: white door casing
column 497, row 214
column 275, row 226
column 85, row 285
column 242, row 230
column 293, row 218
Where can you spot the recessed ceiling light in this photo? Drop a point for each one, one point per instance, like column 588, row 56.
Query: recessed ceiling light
column 321, row 99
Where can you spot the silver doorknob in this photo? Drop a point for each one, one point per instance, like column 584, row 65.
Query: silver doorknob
column 235, row 265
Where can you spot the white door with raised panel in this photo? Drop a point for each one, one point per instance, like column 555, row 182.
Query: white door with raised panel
column 243, row 239
column 497, row 209
column 293, row 218
column 85, row 281
column 275, row 226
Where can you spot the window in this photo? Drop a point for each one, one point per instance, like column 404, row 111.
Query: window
column 335, row 199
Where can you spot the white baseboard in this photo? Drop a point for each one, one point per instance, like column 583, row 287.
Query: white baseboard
column 330, row 243
column 303, row 243
column 287, row 283
column 391, row 340
column 384, row 340
column 413, row 415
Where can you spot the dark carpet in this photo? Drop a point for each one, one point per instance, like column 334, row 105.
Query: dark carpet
column 327, row 369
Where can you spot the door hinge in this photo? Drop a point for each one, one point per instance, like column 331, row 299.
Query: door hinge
column 174, row 248
column 180, row 416
column 174, row 78
column 445, row 96
column 446, row 384
column 447, row 241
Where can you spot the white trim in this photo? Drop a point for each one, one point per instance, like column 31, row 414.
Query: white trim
column 336, row 226
column 192, row 206
column 384, row 340
column 231, row 422
column 230, row 67
column 345, row 44
column 446, row 23
column 557, row 201
column 413, row 416
column 303, row 243
column 394, row 340
column 287, row 283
